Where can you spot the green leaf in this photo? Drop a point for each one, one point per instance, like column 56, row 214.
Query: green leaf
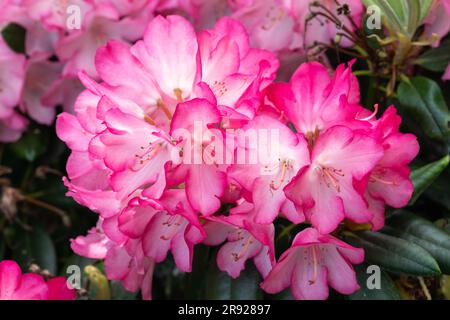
column 423, row 99
column 401, row 16
column 14, row 36
column 408, row 226
column 35, row 246
column 30, row 146
column 438, row 190
column 387, row 291
column 219, row 285
column 395, row 254
column 424, row 176
column 425, row 6
column 435, row 59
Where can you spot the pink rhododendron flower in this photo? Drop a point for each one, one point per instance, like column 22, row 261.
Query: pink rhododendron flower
column 389, row 181
column 284, row 155
column 313, row 262
column 312, row 99
column 122, row 263
column 325, row 189
column 17, row 286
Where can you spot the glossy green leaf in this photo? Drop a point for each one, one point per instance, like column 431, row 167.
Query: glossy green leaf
column 423, row 100
column 30, row 146
column 424, row 176
column 14, row 36
column 387, row 291
column 395, row 254
column 438, row 190
column 408, row 226
column 435, row 59
column 35, row 246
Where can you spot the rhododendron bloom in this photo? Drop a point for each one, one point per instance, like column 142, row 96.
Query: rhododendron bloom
column 205, row 179
column 325, row 189
column 313, row 101
column 389, row 181
column 280, row 155
column 175, row 226
column 125, row 263
column 17, row 286
column 313, row 262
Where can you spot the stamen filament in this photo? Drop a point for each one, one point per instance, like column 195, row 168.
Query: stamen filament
column 374, row 178
column 374, row 113
column 283, row 176
column 315, row 266
column 246, row 246
column 164, row 108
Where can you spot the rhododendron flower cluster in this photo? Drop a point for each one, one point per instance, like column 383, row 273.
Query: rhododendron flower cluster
column 62, row 38
column 174, row 127
column 29, row 286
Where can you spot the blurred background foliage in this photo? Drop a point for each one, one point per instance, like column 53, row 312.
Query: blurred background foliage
column 37, row 220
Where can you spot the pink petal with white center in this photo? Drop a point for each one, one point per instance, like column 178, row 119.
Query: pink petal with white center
column 204, row 187
column 169, row 52
column 115, row 59
column 220, row 61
